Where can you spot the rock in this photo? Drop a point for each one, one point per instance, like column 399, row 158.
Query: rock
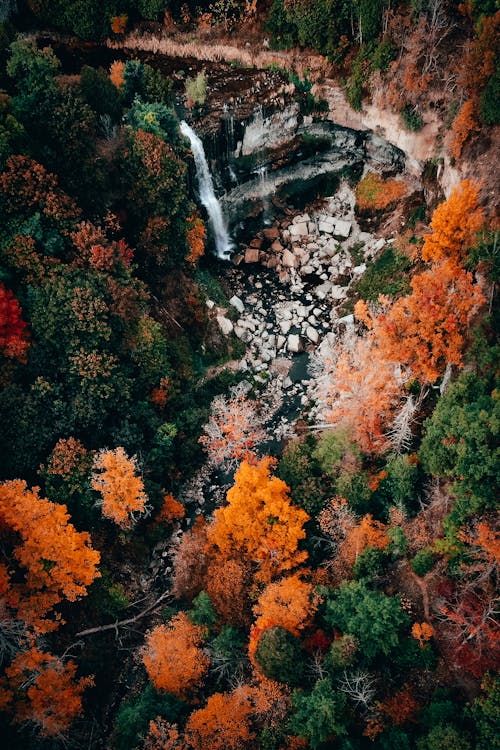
column 287, row 383
column 322, row 290
column 347, row 319
column 210, row 304
column 325, row 228
column 358, row 270
column 289, row 260
column 224, row 324
column 342, row 229
column 252, row 255
column 298, row 230
column 285, row 326
column 307, row 270
column 312, row 334
column 271, row 233
column 311, row 226
column 330, row 247
column 277, row 247
column 294, row 343
column 338, row 292
column 237, row 303
column 378, row 245
column 280, row 342
column 301, row 218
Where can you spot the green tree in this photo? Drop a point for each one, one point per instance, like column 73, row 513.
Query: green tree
column 373, row 618
column 445, row 737
column 202, row 612
column 279, row 654
column 133, row 717
column 485, row 712
column 318, row 716
column 461, row 440
column 99, row 93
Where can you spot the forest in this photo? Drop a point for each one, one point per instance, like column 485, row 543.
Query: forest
column 186, row 563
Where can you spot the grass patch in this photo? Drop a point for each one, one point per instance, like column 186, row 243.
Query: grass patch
column 388, row 275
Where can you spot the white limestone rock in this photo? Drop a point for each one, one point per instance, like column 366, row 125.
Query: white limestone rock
column 237, row 303
column 294, row 343
column 342, row 229
column 312, row 334
column 289, row 260
column 224, row 324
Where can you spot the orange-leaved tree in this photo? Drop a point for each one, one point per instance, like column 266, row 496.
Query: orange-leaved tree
column 44, row 690
column 116, row 74
column 223, row 724
column 455, row 224
column 233, row 430
column 422, row 632
column 368, row 533
column 259, row 523
column 195, row 236
column 51, row 561
column 171, row 510
column 227, row 585
column 119, row 23
column 427, row 329
column 289, row 603
column 163, row 736
column 172, row 655
column 123, row 495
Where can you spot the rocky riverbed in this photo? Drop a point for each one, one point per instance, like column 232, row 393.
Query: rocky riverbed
column 288, row 289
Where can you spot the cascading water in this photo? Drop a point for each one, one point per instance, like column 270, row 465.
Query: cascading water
column 264, row 190
column 223, row 243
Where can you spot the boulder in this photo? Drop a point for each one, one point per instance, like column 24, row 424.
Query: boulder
column 285, row 326
column 237, row 303
column 338, row 292
column 252, row 255
column 210, row 304
column 312, row 334
column 348, row 320
column 271, row 233
column 294, row 343
column 224, row 324
column 359, row 270
column 325, row 228
column 307, row 270
column 277, row 247
column 289, row 260
column 342, row 229
column 298, row 230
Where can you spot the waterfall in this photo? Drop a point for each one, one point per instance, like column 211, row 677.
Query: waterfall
column 223, row 243
column 264, row 192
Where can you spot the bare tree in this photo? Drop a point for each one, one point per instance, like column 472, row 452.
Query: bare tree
column 359, row 687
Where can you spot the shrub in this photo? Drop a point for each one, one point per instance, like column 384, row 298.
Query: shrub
column 423, row 561
column 412, row 119
column 196, row 89
column 375, row 193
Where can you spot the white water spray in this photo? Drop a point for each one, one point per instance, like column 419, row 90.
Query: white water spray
column 223, row 243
